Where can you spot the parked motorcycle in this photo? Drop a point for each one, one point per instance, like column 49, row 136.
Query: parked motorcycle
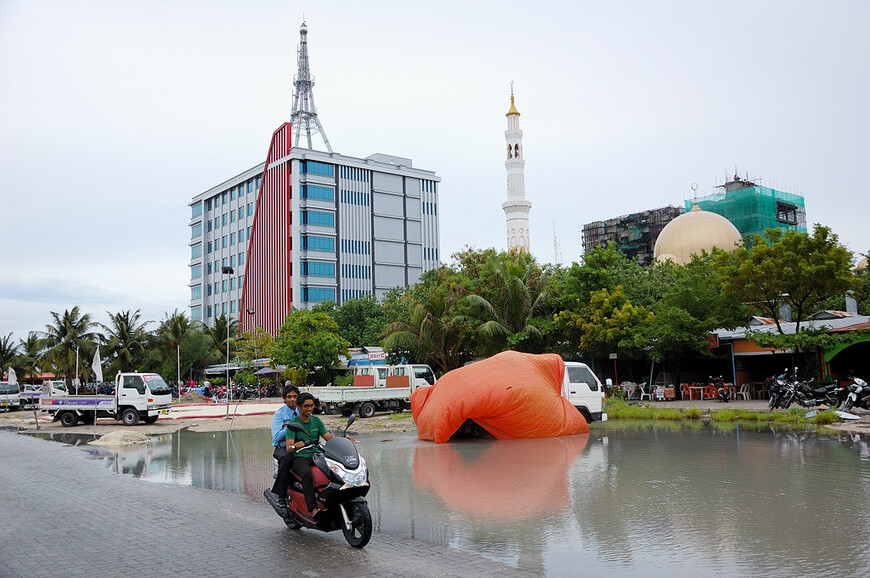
column 808, row 396
column 859, row 395
column 777, row 386
column 341, row 481
column 721, row 390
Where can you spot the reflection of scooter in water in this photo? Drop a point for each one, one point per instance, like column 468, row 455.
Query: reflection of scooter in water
column 341, row 480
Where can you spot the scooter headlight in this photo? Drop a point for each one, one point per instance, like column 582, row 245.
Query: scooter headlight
column 355, row 477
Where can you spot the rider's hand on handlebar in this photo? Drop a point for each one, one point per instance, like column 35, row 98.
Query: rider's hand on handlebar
column 299, row 444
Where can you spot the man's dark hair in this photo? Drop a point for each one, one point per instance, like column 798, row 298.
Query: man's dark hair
column 287, row 389
column 303, row 397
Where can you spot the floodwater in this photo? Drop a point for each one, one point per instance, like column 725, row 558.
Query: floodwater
column 625, row 500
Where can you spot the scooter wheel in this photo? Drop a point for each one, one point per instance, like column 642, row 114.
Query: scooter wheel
column 360, row 531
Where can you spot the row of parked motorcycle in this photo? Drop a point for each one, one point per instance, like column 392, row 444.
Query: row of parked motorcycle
column 852, row 392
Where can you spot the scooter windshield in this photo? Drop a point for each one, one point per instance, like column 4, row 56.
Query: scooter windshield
column 343, row 451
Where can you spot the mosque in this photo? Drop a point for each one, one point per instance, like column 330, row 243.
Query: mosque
column 693, row 233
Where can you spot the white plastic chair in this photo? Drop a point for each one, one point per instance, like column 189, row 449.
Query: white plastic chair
column 644, row 392
column 743, row 391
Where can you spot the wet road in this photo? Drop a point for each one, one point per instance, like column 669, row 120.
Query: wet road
column 63, row 514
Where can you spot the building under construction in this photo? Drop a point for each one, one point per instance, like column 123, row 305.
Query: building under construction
column 753, row 208
column 635, row 234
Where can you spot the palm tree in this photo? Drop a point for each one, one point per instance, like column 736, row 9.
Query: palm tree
column 433, row 333
column 219, row 333
column 31, row 353
column 519, row 294
column 70, row 331
column 8, row 352
column 126, row 337
column 172, row 334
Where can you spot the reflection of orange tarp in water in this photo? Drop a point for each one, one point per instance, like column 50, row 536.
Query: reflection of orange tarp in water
column 511, row 395
column 506, row 481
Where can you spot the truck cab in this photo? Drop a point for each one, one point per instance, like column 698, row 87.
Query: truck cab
column 419, row 375
column 54, row 387
column 10, row 399
column 581, row 387
column 370, row 375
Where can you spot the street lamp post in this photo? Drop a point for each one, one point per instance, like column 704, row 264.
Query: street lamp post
column 228, row 271
column 254, row 327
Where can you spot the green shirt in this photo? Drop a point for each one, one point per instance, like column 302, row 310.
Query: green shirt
column 313, row 430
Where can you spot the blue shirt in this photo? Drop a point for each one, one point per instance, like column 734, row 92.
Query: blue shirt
column 284, row 413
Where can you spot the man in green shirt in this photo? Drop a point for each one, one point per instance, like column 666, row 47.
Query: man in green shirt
column 302, row 462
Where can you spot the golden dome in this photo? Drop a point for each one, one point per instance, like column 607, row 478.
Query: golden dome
column 694, row 232
column 513, row 109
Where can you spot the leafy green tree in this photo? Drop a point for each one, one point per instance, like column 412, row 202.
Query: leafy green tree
column 257, row 345
column 126, row 338
column 361, row 321
column 69, row 331
column 788, row 267
column 311, row 341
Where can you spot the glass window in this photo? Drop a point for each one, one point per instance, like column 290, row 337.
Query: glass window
column 250, row 209
column 224, row 219
column 208, row 249
column 232, row 283
column 223, row 285
column 258, row 181
column 317, row 168
column 318, row 243
column 318, row 268
column 196, row 292
column 232, row 261
column 232, row 239
column 319, row 218
column 224, row 197
column 232, row 216
column 196, row 251
column 209, row 226
column 241, row 259
column 232, row 306
column 224, row 242
column 208, row 314
column 241, row 213
column 196, row 272
column 580, row 374
column 208, row 204
column 208, row 268
column 196, row 231
column 250, row 186
column 317, row 294
column 318, row 193
column 233, row 194
column 196, row 210
column 217, row 201
column 208, row 291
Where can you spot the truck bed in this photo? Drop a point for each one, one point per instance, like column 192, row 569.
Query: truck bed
column 345, row 394
column 82, row 402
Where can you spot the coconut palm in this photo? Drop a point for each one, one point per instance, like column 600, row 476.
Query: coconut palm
column 70, row 330
column 125, row 337
column 29, row 359
column 219, row 333
column 517, row 294
column 8, row 352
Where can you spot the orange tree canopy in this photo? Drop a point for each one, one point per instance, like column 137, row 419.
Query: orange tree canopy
column 511, row 395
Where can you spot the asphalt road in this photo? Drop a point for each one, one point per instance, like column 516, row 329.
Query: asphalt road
column 62, row 513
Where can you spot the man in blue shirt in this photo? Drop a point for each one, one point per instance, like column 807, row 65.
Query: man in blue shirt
column 279, row 441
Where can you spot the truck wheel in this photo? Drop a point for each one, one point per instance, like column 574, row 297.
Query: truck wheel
column 329, row 409
column 367, row 409
column 130, row 416
column 69, row 419
column 150, row 419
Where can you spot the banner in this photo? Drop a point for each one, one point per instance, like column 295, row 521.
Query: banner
column 97, row 366
column 11, row 377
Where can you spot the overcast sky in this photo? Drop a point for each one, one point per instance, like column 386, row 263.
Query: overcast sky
column 113, row 115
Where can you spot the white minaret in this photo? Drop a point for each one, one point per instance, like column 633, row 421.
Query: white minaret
column 516, row 208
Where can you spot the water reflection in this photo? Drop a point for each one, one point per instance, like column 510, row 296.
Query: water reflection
column 623, row 500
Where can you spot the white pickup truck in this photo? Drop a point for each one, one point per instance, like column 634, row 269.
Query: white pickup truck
column 30, row 394
column 376, row 388
column 137, row 396
column 582, row 388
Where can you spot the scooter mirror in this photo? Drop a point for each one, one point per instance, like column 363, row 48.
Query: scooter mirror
column 350, row 420
column 294, row 426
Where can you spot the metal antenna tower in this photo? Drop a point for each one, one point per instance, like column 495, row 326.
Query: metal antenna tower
column 304, row 112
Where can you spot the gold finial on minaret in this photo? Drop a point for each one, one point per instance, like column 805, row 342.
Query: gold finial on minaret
column 513, row 109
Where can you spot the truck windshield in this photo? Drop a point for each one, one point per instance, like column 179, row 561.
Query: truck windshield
column 6, row 388
column 156, row 384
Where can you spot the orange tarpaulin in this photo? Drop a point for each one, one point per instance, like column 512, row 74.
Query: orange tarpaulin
column 511, row 395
